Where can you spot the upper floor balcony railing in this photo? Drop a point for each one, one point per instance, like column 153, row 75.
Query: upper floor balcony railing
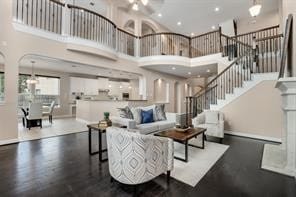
column 43, row 14
column 77, row 22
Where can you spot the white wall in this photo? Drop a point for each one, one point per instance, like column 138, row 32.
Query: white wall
column 246, row 25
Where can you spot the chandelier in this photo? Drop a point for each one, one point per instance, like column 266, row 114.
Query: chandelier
column 135, row 3
column 32, row 79
column 255, row 9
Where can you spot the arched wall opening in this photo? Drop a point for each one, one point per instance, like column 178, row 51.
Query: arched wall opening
column 147, row 28
column 130, row 26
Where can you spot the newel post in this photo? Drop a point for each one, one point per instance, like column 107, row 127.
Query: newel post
column 282, row 158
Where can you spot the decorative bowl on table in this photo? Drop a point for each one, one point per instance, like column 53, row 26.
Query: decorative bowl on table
column 181, row 129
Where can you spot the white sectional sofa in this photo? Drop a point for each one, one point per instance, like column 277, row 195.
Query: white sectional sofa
column 148, row 128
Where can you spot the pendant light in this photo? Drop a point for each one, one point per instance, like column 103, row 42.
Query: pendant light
column 255, row 9
column 32, row 79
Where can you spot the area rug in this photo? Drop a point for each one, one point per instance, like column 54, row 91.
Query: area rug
column 199, row 162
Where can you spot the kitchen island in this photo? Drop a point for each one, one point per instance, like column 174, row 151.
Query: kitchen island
column 92, row 111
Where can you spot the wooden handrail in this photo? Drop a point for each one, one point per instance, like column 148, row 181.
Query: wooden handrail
column 286, row 44
column 165, row 33
column 199, row 94
column 57, row 2
column 259, row 30
column 269, row 37
column 210, row 32
column 226, row 69
column 127, row 33
column 92, row 12
column 234, row 40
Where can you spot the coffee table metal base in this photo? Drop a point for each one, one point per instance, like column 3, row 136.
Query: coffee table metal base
column 192, row 145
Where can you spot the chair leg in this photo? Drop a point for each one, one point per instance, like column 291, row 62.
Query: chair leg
column 41, row 123
column 205, row 137
column 221, row 140
column 111, row 179
column 135, row 190
column 23, row 121
column 168, row 177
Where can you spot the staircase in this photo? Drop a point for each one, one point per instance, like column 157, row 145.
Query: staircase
column 249, row 65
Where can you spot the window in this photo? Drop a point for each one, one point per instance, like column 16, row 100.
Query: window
column 45, row 91
column 47, row 86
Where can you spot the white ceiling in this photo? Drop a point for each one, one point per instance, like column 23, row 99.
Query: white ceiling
column 198, row 16
column 74, row 69
column 183, row 71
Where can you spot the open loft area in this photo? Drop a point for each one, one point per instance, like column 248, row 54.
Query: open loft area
column 147, row 98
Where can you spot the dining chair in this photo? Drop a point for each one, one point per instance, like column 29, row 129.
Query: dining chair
column 49, row 112
column 34, row 117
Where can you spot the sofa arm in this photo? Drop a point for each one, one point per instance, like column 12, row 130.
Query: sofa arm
column 129, row 123
column 199, row 119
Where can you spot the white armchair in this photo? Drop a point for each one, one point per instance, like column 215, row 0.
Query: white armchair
column 213, row 121
column 135, row 158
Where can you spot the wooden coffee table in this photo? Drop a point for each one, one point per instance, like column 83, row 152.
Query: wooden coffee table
column 183, row 138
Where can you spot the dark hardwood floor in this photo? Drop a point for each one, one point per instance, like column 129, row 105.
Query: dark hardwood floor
column 61, row 166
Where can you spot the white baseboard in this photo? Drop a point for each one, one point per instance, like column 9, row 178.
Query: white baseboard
column 259, row 137
column 11, row 141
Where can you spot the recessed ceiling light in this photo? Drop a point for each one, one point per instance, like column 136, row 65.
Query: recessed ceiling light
column 217, row 9
column 81, row 10
column 192, row 34
column 213, row 27
column 179, row 23
column 174, row 68
column 159, row 15
column 208, row 70
column 189, row 73
column 198, row 76
column 110, row 86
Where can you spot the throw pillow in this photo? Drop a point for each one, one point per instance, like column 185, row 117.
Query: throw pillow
column 147, row 116
column 212, row 117
column 160, row 112
column 137, row 114
column 148, row 108
column 125, row 113
column 129, row 113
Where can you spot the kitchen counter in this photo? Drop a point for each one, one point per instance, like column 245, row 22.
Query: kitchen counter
column 92, row 111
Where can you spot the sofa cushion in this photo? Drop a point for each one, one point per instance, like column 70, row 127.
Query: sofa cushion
column 137, row 114
column 147, row 116
column 160, row 112
column 147, row 128
column 163, row 125
column 211, row 117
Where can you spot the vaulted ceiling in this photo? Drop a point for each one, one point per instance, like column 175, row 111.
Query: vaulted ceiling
column 196, row 16
column 199, row 16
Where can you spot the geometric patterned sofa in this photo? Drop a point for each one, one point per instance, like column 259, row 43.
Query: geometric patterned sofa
column 135, row 158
